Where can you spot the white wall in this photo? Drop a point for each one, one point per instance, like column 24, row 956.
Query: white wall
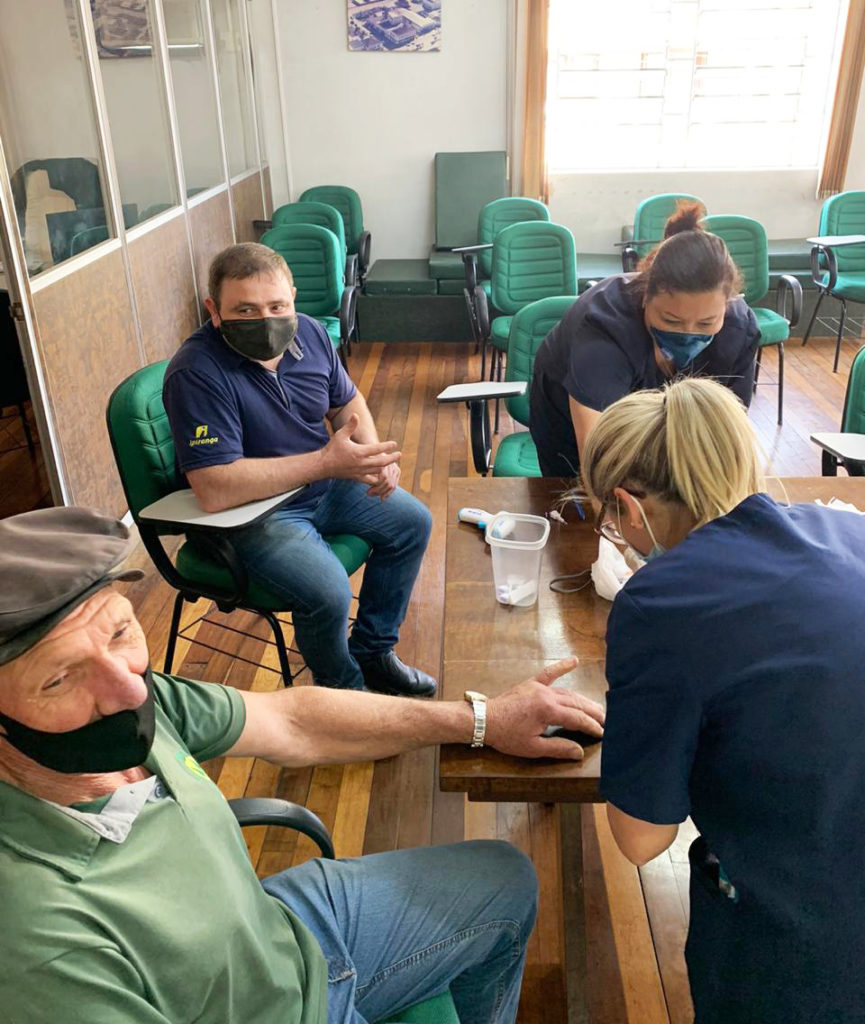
column 375, row 120
column 374, row 104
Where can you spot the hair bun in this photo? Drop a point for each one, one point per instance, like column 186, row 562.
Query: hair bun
column 686, row 217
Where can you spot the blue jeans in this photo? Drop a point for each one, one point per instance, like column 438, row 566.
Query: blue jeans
column 287, row 554
column 398, row 928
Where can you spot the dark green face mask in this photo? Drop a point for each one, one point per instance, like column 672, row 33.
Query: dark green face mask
column 261, row 339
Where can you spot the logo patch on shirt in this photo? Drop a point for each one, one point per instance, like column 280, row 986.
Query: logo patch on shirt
column 201, row 437
column 190, row 764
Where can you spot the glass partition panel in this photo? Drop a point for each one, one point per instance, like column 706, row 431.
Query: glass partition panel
column 231, row 64
column 194, row 97
column 136, row 108
column 48, row 123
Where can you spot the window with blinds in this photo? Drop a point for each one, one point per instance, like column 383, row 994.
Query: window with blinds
column 678, row 84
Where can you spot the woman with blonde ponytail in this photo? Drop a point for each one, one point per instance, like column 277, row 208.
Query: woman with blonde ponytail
column 680, row 314
column 736, row 665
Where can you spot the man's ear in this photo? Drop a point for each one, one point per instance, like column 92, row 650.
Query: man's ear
column 630, row 508
column 211, row 308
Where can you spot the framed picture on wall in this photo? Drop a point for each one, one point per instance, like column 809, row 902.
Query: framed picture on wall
column 396, row 26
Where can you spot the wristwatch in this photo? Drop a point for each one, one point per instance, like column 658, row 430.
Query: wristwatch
column 478, row 702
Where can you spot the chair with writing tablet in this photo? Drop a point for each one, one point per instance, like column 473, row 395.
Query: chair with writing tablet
column 838, row 263
column 650, row 219
column 847, row 448
column 516, row 455
column 206, row 565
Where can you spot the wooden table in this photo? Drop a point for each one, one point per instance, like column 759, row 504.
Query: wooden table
column 489, row 647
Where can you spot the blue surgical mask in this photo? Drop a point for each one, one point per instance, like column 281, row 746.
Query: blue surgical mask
column 680, row 347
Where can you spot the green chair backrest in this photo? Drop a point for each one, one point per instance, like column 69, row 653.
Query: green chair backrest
column 529, row 327
column 141, row 438
column 499, row 214
column 532, row 260
column 88, row 237
column 746, row 240
column 854, row 403
column 317, row 265
column 309, row 212
column 651, row 216
column 844, row 214
column 344, row 199
column 464, row 184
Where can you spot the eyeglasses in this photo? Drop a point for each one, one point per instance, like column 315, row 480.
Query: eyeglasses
column 605, row 526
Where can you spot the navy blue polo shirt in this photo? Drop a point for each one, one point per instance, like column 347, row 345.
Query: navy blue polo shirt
column 736, row 664
column 601, row 351
column 223, row 406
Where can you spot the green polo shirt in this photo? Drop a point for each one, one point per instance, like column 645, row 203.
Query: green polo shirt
column 170, row 925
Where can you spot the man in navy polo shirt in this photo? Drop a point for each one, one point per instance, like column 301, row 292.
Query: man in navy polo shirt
column 247, row 397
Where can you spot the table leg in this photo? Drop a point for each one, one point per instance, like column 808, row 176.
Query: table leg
column 571, row 845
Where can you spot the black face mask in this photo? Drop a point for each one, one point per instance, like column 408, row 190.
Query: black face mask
column 261, row 339
column 113, row 744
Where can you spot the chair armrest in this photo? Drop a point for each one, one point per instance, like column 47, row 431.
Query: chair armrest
column 828, row 253
column 272, row 811
column 836, row 240
column 789, row 285
column 181, row 510
column 364, row 245
column 482, row 313
column 351, row 269
column 470, row 268
column 472, row 248
column 630, row 257
column 347, row 313
column 482, row 391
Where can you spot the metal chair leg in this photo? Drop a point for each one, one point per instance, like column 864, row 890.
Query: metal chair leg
column 820, row 298
column 279, row 640
column 841, row 320
column 829, row 466
column 780, row 383
column 757, row 365
column 172, row 633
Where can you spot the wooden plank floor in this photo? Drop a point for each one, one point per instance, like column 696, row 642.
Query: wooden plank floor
column 396, row 804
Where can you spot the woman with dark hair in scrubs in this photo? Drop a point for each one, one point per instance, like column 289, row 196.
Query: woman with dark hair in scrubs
column 737, row 696
column 680, row 314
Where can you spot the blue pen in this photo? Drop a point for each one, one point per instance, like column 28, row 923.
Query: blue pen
column 581, row 512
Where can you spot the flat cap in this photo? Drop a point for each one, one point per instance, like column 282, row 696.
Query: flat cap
column 51, row 561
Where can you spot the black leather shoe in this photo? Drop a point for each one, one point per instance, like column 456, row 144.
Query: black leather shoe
column 387, row 674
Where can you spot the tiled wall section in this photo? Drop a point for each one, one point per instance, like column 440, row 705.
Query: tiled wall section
column 211, row 227
column 248, row 206
column 88, row 346
column 164, row 288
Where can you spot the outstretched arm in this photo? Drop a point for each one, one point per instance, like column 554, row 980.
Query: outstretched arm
column 308, row 725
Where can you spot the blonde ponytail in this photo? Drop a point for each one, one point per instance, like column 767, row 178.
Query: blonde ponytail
column 690, row 442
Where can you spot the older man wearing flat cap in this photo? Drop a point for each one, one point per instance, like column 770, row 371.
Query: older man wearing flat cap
column 128, row 895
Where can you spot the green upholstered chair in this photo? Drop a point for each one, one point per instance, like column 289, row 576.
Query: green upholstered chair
column 206, row 564
column 282, row 813
column 347, row 202
column 438, row 1010
column 649, row 220
column 838, row 270
column 317, row 263
column 746, row 241
column 478, row 259
column 326, row 216
column 531, row 261
column 516, row 455
column 847, row 448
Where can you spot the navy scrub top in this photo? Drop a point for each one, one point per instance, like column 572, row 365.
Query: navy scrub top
column 223, row 406
column 736, row 664
column 601, row 351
